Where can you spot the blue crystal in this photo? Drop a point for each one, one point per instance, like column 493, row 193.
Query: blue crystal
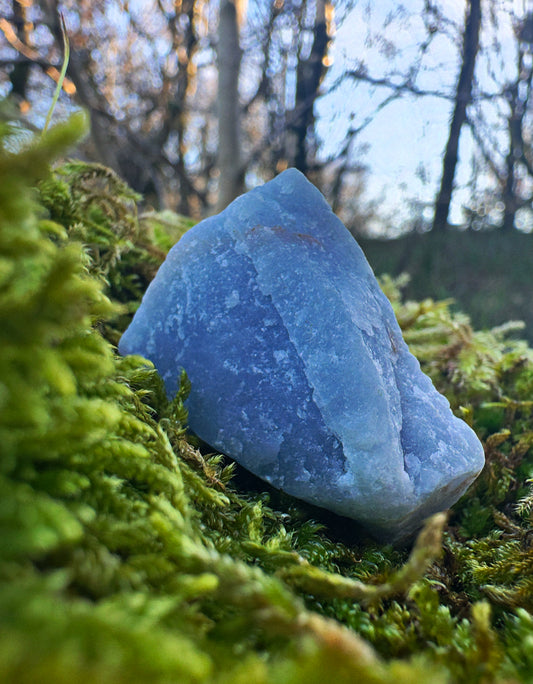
column 298, row 367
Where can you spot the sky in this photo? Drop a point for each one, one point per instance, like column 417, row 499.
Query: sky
column 405, row 141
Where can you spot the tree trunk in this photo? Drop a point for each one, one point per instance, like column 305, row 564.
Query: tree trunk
column 21, row 70
column 310, row 72
column 519, row 97
column 231, row 179
column 509, row 188
column 463, row 97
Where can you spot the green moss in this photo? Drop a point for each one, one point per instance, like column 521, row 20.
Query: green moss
column 129, row 555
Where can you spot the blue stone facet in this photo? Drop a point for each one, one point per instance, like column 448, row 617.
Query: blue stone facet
column 298, row 367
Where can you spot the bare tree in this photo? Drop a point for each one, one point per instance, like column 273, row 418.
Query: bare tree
column 137, row 90
column 21, row 69
column 463, row 96
column 504, row 144
column 147, row 74
column 309, row 74
column 231, row 172
column 519, row 155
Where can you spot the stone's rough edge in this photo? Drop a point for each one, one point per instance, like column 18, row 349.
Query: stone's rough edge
column 235, row 220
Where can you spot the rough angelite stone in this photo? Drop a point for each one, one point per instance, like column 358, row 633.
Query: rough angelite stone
column 298, row 367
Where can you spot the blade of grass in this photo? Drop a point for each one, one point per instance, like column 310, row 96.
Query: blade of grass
column 66, row 57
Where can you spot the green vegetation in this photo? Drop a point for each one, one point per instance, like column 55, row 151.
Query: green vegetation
column 487, row 273
column 127, row 555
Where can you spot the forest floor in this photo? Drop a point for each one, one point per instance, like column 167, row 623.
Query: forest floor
column 489, row 274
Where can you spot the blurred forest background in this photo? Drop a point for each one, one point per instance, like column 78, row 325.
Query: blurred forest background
column 192, row 102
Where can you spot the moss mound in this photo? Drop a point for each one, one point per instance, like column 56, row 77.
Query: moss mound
column 127, row 554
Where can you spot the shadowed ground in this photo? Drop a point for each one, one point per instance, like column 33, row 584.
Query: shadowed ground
column 489, row 274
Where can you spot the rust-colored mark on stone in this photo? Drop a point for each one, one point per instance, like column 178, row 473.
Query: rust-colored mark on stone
column 287, row 235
